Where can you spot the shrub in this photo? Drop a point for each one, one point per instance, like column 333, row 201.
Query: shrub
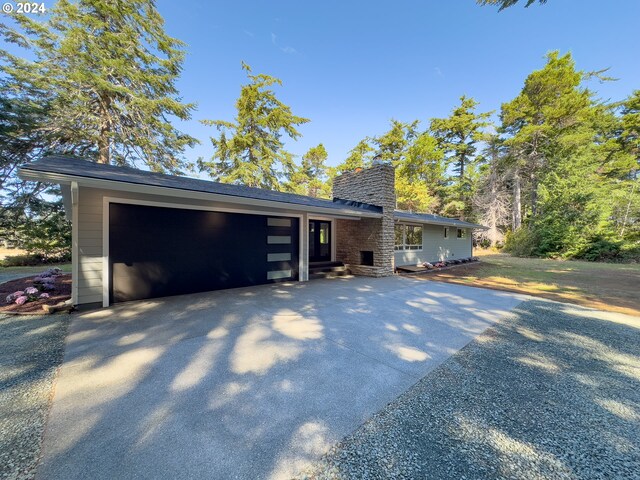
column 521, row 243
column 33, row 260
column 630, row 252
column 599, row 248
column 45, row 281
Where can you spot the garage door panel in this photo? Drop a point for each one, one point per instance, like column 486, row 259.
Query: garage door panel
column 157, row 251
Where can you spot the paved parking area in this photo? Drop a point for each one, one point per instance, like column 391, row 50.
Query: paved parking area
column 248, row 383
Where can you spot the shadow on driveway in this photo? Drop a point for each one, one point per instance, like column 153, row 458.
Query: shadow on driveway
column 553, row 391
column 248, row 383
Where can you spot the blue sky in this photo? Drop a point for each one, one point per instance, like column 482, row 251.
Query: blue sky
column 351, row 66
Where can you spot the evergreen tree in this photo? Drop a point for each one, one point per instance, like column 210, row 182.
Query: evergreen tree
column 310, row 178
column 627, row 199
column 250, row 151
column 392, row 146
column 459, row 135
column 420, row 178
column 630, row 135
column 360, row 156
column 108, row 72
column 491, row 199
column 549, row 114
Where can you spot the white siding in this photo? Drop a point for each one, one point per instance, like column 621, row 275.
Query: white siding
column 435, row 247
column 90, row 205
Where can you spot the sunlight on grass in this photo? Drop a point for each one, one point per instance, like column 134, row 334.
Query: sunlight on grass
column 543, row 287
column 502, row 280
column 604, row 286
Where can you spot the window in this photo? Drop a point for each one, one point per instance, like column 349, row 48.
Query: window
column 462, row 233
column 399, row 232
column 408, row 237
column 446, row 232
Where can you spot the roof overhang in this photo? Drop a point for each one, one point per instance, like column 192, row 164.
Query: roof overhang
column 443, row 223
column 26, row 173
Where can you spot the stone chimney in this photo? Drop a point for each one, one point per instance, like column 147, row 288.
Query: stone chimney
column 366, row 245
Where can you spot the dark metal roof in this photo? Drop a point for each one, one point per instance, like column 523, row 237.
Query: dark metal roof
column 81, row 168
column 434, row 219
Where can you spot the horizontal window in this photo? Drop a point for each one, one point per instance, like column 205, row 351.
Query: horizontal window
column 277, row 274
column 282, row 240
column 408, row 237
column 279, row 222
column 278, row 257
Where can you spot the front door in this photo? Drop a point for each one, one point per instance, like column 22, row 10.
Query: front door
column 319, row 241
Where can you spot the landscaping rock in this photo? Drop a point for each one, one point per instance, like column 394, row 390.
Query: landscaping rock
column 31, row 349
column 550, row 393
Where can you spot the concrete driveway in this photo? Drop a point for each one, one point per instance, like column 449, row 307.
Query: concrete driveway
column 247, row 383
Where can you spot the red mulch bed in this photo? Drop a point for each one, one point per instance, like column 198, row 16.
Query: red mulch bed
column 60, row 293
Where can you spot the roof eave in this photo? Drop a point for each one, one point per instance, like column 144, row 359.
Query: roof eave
column 26, row 173
column 442, row 223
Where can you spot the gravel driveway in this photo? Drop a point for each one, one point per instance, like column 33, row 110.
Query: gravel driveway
column 31, row 349
column 552, row 392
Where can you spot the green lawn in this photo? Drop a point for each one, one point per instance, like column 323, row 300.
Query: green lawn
column 65, row 267
column 606, row 286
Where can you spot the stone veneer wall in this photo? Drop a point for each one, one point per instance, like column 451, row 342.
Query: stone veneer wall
column 375, row 186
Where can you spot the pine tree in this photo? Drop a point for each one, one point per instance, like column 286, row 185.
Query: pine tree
column 310, row 178
column 360, row 156
column 550, row 114
column 491, row 199
column 392, row 146
column 420, row 178
column 108, row 70
column 250, row 151
column 459, row 135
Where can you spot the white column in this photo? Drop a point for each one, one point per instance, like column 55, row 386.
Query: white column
column 304, row 246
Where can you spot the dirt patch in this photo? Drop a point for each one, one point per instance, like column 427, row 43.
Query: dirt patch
column 61, row 292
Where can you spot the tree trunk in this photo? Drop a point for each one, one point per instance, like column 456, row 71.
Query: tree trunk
column 517, row 201
column 104, row 155
column 463, row 197
column 534, row 196
column 626, row 213
column 103, row 147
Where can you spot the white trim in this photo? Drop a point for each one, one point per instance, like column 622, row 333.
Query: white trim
column 304, row 247
column 106, row 278
column 27, row 174
column 404, row 238
column 75, row 257
column 106, row 201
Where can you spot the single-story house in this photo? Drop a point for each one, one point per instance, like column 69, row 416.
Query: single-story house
column 138, row 234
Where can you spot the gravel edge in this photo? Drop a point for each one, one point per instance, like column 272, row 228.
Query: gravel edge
column 543, row 394
column 31, row 352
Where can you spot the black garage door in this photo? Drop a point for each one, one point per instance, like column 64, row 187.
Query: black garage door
column 157, row 252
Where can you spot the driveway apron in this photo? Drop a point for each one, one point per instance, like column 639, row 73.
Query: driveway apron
column 248, row 383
